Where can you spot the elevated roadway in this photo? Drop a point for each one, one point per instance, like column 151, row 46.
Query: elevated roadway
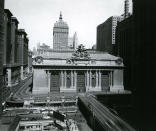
column 101, row 115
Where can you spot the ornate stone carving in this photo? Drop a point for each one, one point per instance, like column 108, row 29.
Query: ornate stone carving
column 81, row 53
column 119, row 61
column 38, row 59
column 80, row 56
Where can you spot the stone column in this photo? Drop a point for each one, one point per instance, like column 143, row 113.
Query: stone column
column 90, row 77
column 111, row 78
column 65, row 79
column 9, row 77
column 87, row 81
column 75, row 79
column 97, row 79
column 49, row 80
column 72, row 80
column 22, row 73
column 100, row 79
column 61, row 79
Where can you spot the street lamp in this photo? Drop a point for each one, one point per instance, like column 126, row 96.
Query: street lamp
column 48, row 100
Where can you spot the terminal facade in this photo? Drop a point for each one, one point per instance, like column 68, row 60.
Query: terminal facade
column 77, row 71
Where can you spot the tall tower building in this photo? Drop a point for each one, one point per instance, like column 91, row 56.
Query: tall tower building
column 136, row 41
column 60, row 34
column 106, row 35
column 73, row 41
column 144, row 57
column 126, row 13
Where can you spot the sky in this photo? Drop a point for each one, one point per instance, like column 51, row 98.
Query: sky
column 37, row 17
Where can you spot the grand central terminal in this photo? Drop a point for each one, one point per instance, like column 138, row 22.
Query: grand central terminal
column 77, row 71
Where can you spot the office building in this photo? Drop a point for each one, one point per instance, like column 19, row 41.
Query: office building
column 106, row 35
column 106, row 32
column 124, row 43
column 136, row 44
column 144, row 61
column 60, row 35
column 126, row 10
column 14, row 55
column 73, row 41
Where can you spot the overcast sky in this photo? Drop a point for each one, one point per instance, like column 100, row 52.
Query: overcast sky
column 37, row 17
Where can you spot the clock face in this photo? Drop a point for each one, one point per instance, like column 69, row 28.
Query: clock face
column 39, row 59
column 68, row 61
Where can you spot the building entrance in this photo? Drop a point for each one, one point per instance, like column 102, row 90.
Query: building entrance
column 55, row 82
column 105, row 81
column 68, row 79
column 81, row 82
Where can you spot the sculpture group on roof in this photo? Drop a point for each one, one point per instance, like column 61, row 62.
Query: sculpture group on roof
column 81, row 53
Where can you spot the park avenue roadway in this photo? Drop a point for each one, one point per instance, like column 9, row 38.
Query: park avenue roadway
column 107, row 119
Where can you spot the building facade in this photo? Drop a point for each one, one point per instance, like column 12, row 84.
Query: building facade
column 14, row 56
column 44, row 49
column 60, row 34
column 14, row 29
column 136, row 44
column 144, row 61
column 79, row 71
column 106, row 35
column 124, row 44
column 11, row 67
column 1, row 50
column 7, row 37
column 23, row 52
column 106, row 32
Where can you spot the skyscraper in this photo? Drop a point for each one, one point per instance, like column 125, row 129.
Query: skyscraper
column 106, row 34
column 126, row 13
column 60, row 34
column 144, row 65
column 136, row 41
column 124, row 43
column 73, row 41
